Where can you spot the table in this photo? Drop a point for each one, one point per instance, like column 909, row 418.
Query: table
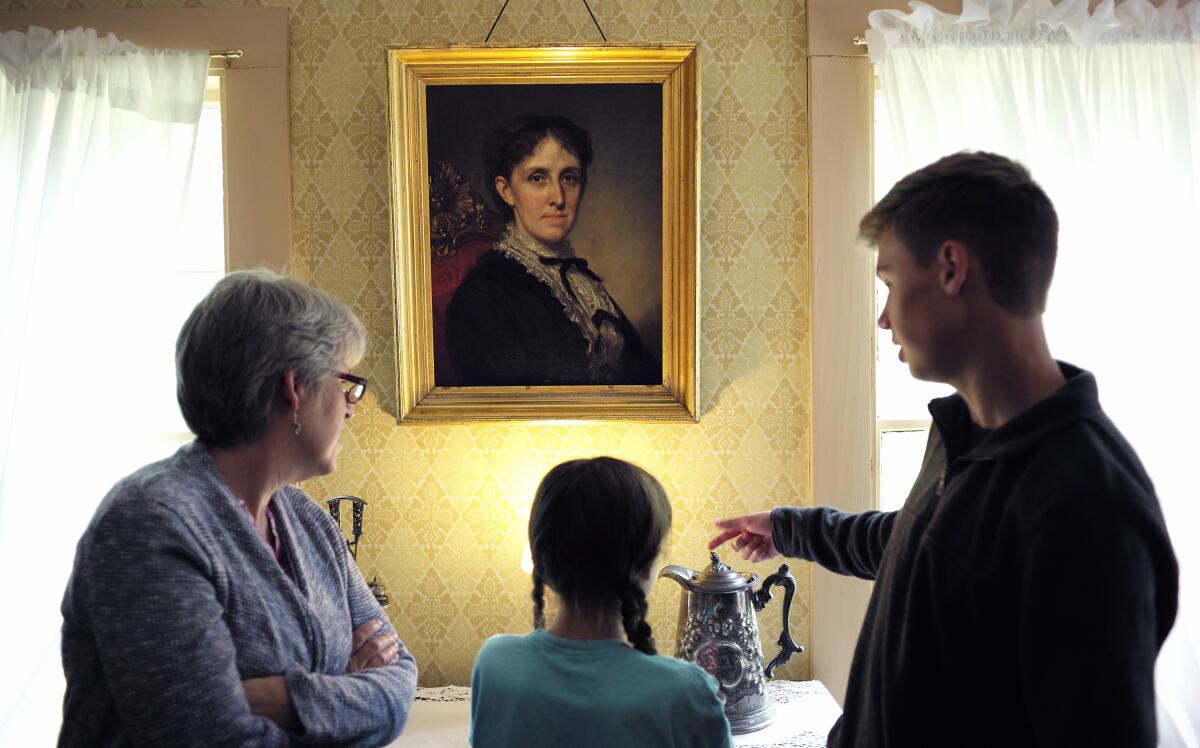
column 805, row 711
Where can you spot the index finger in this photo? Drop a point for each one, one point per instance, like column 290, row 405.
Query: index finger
column 732, row 522
column 724, row 535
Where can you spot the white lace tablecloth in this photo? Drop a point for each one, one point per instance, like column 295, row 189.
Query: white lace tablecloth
column 804, row 713
column 444, row 693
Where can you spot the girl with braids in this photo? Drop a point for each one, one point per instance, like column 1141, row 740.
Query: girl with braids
column 593, row 678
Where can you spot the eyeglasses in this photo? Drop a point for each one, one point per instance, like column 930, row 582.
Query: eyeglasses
column 352, row 387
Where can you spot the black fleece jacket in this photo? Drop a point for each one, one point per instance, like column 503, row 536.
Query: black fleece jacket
column 1021, row 594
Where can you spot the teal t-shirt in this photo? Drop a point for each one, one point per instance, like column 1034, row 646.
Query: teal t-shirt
column 545, row 690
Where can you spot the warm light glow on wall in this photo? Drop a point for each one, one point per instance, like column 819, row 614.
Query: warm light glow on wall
column 523, row 477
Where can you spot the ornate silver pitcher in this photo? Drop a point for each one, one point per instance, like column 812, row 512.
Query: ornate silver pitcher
column 719, row 632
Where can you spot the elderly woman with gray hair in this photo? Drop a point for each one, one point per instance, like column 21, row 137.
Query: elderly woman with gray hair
column 212, row 602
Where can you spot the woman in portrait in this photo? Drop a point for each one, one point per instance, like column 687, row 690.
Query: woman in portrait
column 531, row 312
column 212, row 602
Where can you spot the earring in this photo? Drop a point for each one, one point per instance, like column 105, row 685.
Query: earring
column 296, row 422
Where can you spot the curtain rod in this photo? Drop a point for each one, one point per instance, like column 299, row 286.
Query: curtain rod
column 858, row 41
column 227, row 54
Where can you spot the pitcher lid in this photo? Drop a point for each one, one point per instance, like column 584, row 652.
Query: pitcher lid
column 717, row 577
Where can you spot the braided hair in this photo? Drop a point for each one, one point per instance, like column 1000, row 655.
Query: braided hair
column 633, row 618
column 539, row 601
column 595, row 526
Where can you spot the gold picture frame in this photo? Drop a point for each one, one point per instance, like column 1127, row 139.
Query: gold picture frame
column 666, row 75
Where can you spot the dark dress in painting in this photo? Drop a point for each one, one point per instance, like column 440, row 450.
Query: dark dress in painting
column 523, row 317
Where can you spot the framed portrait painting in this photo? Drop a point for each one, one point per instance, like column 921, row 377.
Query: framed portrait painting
column 544, row 231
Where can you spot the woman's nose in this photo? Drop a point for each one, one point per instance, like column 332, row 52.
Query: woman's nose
column 557, row 195
column 883, row 321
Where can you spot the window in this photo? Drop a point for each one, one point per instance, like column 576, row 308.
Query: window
column 199, row 262
column 901, row 416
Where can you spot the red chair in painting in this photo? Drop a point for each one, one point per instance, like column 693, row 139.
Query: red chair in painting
column 462, row 228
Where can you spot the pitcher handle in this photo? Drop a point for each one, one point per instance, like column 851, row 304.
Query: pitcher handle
column 787, row 645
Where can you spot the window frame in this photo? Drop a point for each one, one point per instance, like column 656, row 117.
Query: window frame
column 845, row 453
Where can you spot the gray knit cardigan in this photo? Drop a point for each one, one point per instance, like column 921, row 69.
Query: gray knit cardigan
column 175, row 599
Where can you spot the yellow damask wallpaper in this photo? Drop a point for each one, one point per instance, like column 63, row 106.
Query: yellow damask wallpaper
column 445, row 528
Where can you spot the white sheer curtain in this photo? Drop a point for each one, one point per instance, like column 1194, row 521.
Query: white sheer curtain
column 1104, row 108
column 96, row 140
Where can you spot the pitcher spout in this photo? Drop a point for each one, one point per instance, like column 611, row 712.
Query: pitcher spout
column 680, row 574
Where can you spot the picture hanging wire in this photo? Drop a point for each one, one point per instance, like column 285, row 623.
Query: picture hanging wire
column 505, row 6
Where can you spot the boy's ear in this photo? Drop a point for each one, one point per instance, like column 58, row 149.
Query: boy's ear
column 954, row 264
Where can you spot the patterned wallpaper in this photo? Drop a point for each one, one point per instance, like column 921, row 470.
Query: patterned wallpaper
column 445, row 528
